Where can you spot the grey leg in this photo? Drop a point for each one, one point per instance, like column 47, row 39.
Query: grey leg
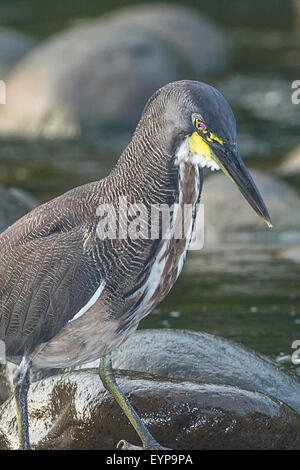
column 21, row 386
column 107, row 376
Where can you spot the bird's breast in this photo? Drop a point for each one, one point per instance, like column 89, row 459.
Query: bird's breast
column 171, row 255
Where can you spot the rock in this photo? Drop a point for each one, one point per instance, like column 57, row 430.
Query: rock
column 5, row 384
column 14, row 203
column 292, row 253
column 228, row 216
column 183, row 30
column 198, row 357
column 97, row 76
column 172, row 393
column 202, row 357
column 14, row 46
column 290, row 165
column 72, row 411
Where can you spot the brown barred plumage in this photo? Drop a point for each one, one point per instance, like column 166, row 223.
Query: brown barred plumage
column 53, row 264
column 68, row 294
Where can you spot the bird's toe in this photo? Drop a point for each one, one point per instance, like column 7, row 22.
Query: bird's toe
column 153, row 445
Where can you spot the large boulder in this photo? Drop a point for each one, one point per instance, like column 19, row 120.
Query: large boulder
column 98, row 75
column 13, row 47
column 194, row 391
column 73, row 411
column 202, row 357
column 228, row 216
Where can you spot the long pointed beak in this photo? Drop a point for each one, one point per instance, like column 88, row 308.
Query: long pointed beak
column 233, row 166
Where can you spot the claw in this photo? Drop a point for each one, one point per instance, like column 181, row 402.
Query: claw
column 153, row 445
column 124, row 445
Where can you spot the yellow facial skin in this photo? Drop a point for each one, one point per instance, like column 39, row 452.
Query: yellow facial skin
column 198, row 145
column 212, row 137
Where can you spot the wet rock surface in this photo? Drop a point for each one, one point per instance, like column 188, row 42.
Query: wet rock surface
column 205, row 358
column 231, row 218
column 14, row 46
column 193, row 390
column 86, row 79
column 14, row 203
column 73, row 411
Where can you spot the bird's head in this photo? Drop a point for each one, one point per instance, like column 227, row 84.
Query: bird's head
column 200, row 126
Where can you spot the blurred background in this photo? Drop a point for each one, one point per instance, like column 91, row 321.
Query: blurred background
column 77, row 77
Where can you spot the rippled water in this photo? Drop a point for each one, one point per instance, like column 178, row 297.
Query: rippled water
column 240, row 292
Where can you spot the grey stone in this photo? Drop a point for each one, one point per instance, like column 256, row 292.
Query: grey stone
column 194, row 391
column 228, row 216
column 202, row 357
column 72, row 411
column 97, row 76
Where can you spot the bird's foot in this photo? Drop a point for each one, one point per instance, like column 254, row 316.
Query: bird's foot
column 148, row 445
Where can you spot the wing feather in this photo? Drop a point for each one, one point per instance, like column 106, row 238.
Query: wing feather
column 46, row 276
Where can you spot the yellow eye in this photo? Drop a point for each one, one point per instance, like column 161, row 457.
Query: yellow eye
column 200, row 125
